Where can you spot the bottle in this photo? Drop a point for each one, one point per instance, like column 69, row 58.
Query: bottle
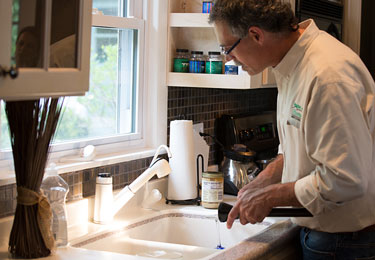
column 181, row 61
column 231, row 68
column 206, row 7
column 212, row 189
column 55, row 189
column 103, row 211
column 214, row 64
column 197, row 62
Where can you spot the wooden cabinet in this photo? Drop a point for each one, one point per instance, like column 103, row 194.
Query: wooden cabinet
column 188, row 28
column 49, row 42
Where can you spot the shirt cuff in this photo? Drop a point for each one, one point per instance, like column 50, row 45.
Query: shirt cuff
column 280, row 150
column 307, row 194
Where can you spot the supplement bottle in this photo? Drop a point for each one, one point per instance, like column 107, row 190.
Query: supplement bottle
column 181, row 61
column 55, row 189
column 197, row 62
column 214, row 63
column 231, row 68
column 206, row 6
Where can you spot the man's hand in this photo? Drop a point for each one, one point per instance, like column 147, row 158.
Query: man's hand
column 254, row 205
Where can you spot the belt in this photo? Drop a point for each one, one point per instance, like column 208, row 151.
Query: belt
column 368, row 229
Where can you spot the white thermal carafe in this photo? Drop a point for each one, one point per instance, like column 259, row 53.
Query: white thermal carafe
column 182, row 181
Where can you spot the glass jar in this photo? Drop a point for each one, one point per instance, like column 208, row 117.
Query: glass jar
column 197, row 62
column 181, row 61
column 212, row 189
column 214, row 63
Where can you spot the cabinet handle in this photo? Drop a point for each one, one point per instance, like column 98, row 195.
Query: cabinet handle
column 12, row 72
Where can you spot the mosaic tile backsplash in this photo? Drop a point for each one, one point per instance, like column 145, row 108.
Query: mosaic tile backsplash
column 197, row 104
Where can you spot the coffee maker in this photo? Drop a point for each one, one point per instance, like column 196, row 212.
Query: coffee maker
column 246, row 141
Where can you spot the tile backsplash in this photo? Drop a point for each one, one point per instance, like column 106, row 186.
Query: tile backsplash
column 197, row 104
column 206, row 104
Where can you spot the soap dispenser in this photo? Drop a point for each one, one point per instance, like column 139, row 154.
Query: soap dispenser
column 55, row 189
column 103, row 211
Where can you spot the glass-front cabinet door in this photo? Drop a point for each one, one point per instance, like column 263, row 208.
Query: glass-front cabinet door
column 44, row 48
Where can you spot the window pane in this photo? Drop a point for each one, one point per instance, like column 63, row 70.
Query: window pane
column 4, row 135
column 108, row 109
column 112, row 7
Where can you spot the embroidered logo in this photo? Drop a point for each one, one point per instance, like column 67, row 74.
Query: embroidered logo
column 297, row 112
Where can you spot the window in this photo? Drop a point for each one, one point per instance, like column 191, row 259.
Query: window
column 111, row 112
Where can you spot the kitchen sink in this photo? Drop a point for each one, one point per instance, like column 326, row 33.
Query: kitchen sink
column 173, row 235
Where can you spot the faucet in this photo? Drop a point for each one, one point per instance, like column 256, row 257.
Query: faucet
column 158, row 166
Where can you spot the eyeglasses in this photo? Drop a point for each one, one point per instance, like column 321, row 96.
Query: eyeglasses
column 224, row 52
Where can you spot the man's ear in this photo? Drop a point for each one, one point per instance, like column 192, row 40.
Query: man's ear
column 256, row 34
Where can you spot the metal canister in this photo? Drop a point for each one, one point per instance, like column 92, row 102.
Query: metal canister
column 212, row 189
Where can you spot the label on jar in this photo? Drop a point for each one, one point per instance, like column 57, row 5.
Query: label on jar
column 212, row 191
column 214, row 67
column 181, row 65
column 196, row 66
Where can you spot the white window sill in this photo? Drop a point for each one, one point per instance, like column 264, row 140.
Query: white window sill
column 7, row 176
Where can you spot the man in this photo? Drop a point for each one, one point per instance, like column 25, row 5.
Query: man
column 326, row 126
column 28, row 48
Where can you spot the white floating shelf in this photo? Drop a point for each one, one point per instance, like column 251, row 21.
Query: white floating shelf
column 189, row 20
column 201, row 80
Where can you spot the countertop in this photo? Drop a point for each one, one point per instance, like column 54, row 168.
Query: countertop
column 278, row 241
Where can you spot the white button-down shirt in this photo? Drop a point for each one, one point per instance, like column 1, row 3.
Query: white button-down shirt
column 326, row 122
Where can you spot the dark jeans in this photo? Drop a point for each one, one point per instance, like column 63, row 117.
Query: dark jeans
column 336, row 246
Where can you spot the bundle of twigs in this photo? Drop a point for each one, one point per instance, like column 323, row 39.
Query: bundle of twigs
column 32, row 125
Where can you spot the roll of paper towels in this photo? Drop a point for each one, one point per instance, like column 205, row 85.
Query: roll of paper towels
column 182, row 181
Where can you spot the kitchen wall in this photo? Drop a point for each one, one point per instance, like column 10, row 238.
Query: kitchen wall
column 197, row 104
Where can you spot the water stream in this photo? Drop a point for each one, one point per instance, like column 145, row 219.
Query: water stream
column 219, row 246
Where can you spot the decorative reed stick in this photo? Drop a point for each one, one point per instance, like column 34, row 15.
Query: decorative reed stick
column 32, row 125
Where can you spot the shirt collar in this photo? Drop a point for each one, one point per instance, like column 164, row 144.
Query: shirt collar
column 294, row 55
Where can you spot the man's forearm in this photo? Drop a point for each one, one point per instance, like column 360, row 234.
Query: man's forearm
column 272, row 173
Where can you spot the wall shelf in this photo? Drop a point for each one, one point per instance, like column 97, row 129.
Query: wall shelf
column 189, row 29
column 189, row 20
column 201, row 80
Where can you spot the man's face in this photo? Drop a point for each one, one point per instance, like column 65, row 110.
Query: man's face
column 27, row 50
column 247, row 53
